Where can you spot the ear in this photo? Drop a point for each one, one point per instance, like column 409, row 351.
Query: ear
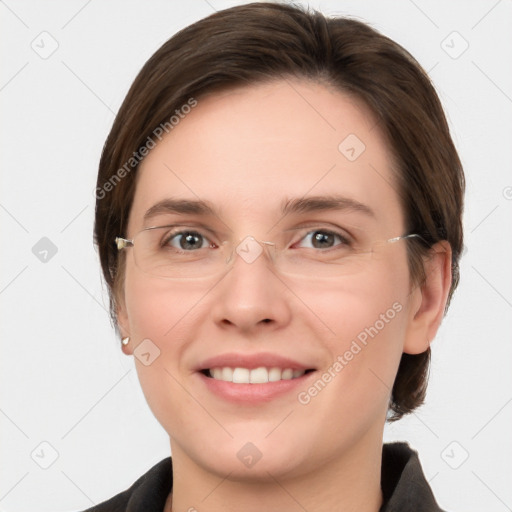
column 123, row 325
column 428, row 301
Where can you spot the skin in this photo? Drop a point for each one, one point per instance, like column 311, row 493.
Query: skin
column 246, row 150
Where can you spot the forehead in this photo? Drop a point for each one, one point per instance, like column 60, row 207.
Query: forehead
column 248, row 150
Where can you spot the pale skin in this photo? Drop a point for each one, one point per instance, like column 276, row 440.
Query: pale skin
column 246, row 151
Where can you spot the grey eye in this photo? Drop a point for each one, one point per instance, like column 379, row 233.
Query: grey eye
column 188, row 240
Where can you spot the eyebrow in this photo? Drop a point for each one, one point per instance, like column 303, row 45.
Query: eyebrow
column 181, row 206
column 288, row 206
column 324, row 203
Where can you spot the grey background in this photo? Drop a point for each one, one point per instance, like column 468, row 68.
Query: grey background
column 64, row 380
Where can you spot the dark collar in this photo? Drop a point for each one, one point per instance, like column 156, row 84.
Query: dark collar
column 403, row 483
column 404, row 486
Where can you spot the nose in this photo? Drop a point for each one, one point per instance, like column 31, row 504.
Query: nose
column 251, row 295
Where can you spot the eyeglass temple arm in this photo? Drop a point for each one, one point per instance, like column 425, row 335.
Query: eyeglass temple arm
column 122, row 243
column 412, row 235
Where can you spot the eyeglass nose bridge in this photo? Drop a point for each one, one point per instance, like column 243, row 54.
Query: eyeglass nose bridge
column 250, row 249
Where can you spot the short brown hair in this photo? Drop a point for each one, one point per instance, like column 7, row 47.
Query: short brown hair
column 259, row 42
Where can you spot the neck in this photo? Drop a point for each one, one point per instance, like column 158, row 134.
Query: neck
column 347, row 483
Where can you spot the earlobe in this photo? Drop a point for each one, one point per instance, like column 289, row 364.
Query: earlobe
column 429, row 299
column 123, row 324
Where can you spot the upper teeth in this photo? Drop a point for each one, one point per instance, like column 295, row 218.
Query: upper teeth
column 254, row 376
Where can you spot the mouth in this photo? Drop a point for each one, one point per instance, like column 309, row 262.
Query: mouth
column 253, row 378
column 260, row 375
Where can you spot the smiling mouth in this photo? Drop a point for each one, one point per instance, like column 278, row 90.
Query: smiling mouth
column 261, row 375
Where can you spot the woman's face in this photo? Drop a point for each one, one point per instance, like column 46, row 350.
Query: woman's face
column 248, row 152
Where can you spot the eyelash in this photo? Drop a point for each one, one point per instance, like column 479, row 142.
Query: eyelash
column 344, row 239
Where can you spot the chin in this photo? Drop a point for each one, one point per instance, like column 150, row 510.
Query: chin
column 250, row 458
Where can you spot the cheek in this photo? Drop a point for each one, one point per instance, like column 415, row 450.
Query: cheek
column 172, row 316
column 357, row 301
column 159, row 309
column 367, row 317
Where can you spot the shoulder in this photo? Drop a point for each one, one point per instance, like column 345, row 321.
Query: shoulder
column 148, row 493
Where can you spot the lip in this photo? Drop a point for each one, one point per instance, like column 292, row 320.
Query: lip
column 251, row 361
column 254, row 393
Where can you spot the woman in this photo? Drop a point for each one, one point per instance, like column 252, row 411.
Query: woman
column 279, row 224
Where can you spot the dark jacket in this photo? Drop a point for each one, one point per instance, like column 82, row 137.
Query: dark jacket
column 403, row 483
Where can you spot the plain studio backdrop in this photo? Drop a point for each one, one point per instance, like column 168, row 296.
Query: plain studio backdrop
column 75, row 426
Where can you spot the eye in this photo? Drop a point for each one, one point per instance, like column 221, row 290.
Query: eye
column 186, row 240
column 325, row 239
